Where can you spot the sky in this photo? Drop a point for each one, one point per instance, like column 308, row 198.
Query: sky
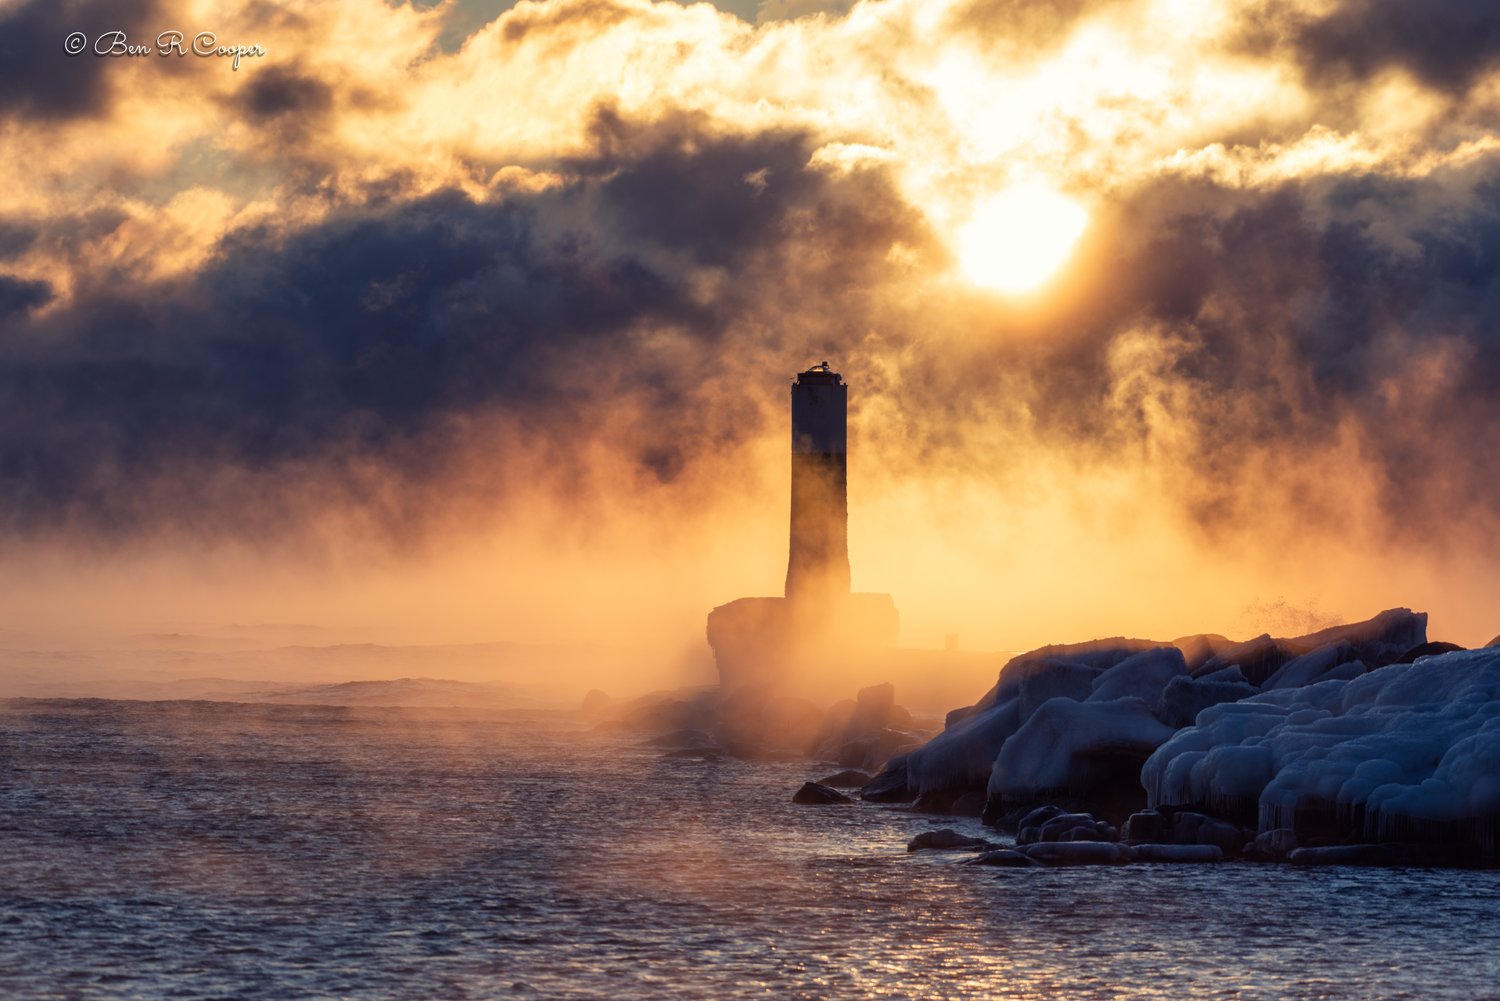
column 474, row 321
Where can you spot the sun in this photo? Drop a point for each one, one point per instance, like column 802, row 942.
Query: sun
column 1017, row 239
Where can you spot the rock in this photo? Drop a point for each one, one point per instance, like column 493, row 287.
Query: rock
column 849, row 778
column 890, row 786
column 1066, row 823
column 1176, row 853
column 1377, row 641
column 702, row 753
column 1184, row 698
column 1428, row 650
column 1375, row 855
column 595, row 704
column 813, row 794
column 1141, row 675
column 661, row 712
column 1078, row 853
column 968, row 804
column 1146, row 826
column 1199, row 829
column 951, row 802
column 1002, row 857
column 957, row 716
column 683, row 739
column 1198, row 650
column 1084, row 752
column 873, row 705
column 963, row 755
column 867, row 731
column 1257, row 659
column 1272, row 846
column 946, row 839
column 1040, row 815
column 888, row 744
column 754, row 723
column 1330, row 660
column 1403, row 753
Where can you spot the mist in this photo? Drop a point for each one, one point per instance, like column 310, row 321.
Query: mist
column 374, row 358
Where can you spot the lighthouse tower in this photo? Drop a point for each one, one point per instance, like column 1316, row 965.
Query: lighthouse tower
column 819, row 636
column 818, row 562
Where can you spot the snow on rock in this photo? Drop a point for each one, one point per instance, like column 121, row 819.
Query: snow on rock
column 1378, row 641
column 963, row 755
column 1409, row 752
column 1143, row 676
column 1074, row 749
column 1333, row 660
column 1184, row 698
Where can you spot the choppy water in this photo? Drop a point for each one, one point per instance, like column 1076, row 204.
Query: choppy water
column 190, row 850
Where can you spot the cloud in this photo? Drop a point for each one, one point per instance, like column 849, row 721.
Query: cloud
column 18, row 296
column 41, row 81
column 382, row 331
column 405, row 281
column 1447, row 44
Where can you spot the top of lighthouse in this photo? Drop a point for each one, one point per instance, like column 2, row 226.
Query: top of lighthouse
column 819, row 375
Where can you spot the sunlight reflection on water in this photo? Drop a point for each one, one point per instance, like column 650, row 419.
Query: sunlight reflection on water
column 203, row 850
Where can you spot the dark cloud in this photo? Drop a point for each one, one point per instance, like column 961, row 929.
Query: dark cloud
column 15, row 238
column 278, row 91
column 1263, row 329
column 18, row 295
column 40, row 79
column 1447, row 44
column 373, row 340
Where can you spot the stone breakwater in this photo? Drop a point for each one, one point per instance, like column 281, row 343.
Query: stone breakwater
column 1360, row 744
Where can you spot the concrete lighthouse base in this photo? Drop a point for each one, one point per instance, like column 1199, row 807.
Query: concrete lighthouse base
column 806, row 648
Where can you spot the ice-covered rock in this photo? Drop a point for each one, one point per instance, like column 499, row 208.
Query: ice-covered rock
column 1078, row 751
column 1004, row 857
column 1078, row 853
column 1363, row 854
column 1427, row 650
column 891, row 785
column 1405, row 753
column 1142, row 676
column 1176, row 853
column 1256, row 658
column 813, row 794
column 1272, row 846
column 1377, row 641
column 1184, row 698
column 1200, row 649
column 1144, row 826
column 1189, row 828
column 1332, row 661
column 951, row 802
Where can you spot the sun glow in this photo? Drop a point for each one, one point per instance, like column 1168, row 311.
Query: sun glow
column 1018, row 239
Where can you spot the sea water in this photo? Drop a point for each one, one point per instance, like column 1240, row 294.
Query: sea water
column 222, row 850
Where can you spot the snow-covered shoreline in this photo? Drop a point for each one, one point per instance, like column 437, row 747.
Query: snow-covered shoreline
column 1365, row 734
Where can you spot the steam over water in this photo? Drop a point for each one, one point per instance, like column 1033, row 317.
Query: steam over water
column 225, row 850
